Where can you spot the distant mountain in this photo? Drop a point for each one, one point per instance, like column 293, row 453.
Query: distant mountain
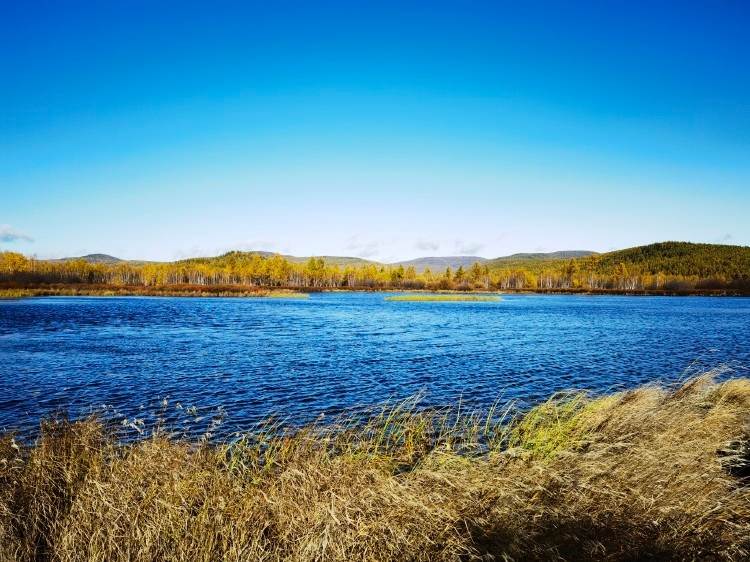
column 439, row 264
column 435, row 263
column 341, row 261
column 564, row 255
column 94, row 259
column 101, row 258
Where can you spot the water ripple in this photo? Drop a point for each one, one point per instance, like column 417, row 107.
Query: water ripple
column 303, row 358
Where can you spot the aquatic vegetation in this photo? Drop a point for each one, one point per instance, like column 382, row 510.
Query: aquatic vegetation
column 650, row 473
column 442, row 298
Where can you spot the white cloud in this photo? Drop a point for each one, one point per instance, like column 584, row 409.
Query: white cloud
column 10, row 234
column 468, row 248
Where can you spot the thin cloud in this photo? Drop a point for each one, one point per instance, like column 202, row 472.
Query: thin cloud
column 427, row 245
column 726, row 238
column 468, row 247
column 368, row 252
column 254, row 245
column 10, row 234
column 187, row 253
column 364, row 249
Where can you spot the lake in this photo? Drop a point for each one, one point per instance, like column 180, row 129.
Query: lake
column 197, row 360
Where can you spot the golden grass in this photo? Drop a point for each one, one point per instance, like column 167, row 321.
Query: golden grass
column 442, row 298
column 158, row 291
column 654, row 473
column 15, row 293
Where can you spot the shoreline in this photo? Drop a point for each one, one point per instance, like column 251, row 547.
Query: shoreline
column 15, row 290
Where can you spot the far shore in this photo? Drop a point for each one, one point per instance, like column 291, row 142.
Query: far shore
column 241, row 291
column 15, row 290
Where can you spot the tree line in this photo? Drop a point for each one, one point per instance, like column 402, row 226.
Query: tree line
column 667, row 266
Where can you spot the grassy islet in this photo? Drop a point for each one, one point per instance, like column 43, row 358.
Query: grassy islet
column 443, row 298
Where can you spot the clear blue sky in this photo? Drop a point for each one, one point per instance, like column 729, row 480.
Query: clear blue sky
column 388, row 130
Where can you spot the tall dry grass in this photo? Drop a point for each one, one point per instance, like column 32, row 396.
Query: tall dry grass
column 654, row 473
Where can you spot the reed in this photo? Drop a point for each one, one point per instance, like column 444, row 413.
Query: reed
column 653, row 473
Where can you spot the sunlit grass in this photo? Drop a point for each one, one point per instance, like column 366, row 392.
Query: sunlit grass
column 15, row 293
column 442, row 298
column 653, row 473
column 285, row 295
column 158, row 291
column 650, row 473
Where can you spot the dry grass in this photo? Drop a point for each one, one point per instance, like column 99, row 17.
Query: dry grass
column 652, row 473
column 152, row 291
column 15, row 293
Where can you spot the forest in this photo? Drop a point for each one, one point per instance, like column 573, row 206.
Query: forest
column 661, row 267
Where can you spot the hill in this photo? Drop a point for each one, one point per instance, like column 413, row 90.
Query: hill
column 536, row 262
column 440, row 263
column 238, row 256
column 435, row 263
column 664, row 266
column 563, row 255
column 102, row 259
column 93, row 259
column 675, row 259
column 341, row 261
column 681, row 258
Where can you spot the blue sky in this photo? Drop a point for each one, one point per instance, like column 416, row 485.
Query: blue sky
column 386, row 130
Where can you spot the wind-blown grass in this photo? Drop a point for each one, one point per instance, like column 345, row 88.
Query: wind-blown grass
column 442, row 298
column 653, row 473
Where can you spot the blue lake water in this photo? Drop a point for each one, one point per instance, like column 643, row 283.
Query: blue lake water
column 244, row 359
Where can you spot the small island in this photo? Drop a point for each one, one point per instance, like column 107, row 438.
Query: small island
column 443, row 298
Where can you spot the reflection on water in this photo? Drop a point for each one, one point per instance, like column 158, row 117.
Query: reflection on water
column 238, row 360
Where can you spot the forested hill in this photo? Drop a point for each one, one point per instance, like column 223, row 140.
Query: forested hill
column 242, row 257
column 440, row 263
column 564, row 255
column 678, row 258
column 536, row 262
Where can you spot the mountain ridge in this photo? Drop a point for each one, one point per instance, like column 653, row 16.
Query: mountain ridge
column 670, row 258
column 440, row 263
column 433, row 262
